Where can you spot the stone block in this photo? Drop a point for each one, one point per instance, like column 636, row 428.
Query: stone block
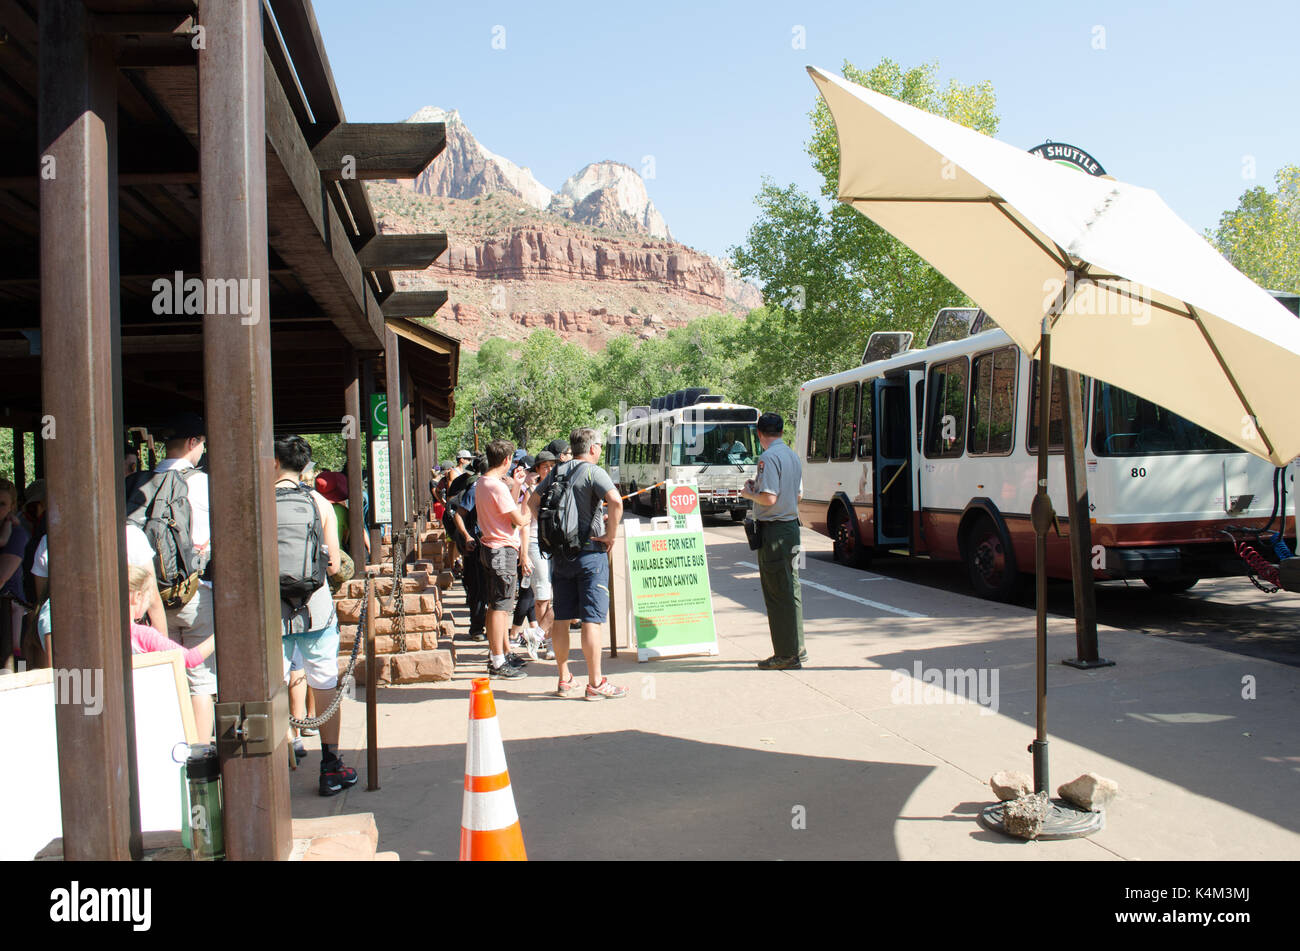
column 421, row 666
column 349, row 610
column 1011, row 785
column 1024, row 817
column 1089, row 791
column 383, row 670
column 445, row 580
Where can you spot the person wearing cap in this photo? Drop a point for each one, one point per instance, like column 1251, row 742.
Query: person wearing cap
column 561, row 449
column 191, row 624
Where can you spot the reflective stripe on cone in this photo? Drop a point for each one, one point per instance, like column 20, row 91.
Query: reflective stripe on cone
column 489, row 822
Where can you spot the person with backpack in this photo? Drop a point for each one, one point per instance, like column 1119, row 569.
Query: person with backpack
column 578, row 510
column 502, row 554
column 461, row 522
column 170, row 504
column 308, row 553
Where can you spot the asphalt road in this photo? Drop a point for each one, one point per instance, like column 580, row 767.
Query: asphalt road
column 1229, row 614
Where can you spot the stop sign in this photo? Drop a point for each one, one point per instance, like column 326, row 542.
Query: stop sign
column 683, row 500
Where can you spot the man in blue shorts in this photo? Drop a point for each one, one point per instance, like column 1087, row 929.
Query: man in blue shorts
column 581, row 583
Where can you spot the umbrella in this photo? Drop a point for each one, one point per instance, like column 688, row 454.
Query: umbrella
column 1099, row 275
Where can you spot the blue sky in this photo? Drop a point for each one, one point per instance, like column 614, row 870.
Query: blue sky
column 1184, row 98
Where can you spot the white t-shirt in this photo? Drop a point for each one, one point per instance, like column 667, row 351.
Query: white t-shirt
column 196, row 485
column 138, row 552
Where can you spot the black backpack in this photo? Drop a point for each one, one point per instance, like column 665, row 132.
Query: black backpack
column 559, row 531
column 456, row 496
column 304, row 561
column 158, row 502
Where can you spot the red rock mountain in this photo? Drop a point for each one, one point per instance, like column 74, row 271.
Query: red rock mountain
column 592, row 261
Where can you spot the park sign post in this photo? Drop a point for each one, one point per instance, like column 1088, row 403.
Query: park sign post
column 670, row 600
column 383, row 507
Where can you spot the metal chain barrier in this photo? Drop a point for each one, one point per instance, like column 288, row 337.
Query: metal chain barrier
column 399, row 606
column 312, row 723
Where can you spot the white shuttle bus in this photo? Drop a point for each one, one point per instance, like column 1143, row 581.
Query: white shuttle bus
column 933, row 452
column 689, row 436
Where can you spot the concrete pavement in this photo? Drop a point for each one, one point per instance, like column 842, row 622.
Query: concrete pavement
column 711, row 758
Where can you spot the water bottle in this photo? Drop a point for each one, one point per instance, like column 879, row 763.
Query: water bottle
column 526, row 582
column 207, row 839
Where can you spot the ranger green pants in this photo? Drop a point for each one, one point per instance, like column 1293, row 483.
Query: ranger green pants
column 781, row 592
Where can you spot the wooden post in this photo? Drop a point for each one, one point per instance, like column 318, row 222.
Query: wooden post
column 356, row 449
column 410, row 476
column 237, row 390
column 372, row 679
column 20, row 460
column 1078, row 511
column 81, row 393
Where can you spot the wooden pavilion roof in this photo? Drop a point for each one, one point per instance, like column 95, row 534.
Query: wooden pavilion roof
column 330, row 284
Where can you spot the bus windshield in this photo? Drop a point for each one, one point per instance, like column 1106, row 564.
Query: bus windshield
column 1127, row 425
column 698, row 444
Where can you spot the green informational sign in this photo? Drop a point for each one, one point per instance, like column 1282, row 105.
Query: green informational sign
column 668, row 578
column 378, row 414
column 382, row 488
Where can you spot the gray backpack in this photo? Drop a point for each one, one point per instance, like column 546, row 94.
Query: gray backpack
column 304, row 561
column 158, row 502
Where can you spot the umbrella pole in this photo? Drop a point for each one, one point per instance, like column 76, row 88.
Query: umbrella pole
column 1042, row 516
column 1062, row 820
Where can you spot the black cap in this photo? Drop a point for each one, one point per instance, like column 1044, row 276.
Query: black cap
column 185, row 426
column 558, row 447
column 544, row 456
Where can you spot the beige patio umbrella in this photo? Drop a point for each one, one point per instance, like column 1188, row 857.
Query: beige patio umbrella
column 1097, row 275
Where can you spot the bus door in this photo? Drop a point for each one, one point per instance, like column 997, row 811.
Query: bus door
column 916, row 380
column 892, row 487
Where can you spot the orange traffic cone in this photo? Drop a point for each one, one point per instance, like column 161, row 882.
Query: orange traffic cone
column 489, row 823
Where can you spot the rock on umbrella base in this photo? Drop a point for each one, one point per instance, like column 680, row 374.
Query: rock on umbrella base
column 1062, row 821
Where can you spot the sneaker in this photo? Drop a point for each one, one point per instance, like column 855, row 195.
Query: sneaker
column 505, row 672
column 533, row 639
column 605, row 690
column 803, row 657
column 567, row 688
column 335, row 777
column 780, row 663
column 477, row 637
column 306, row 731
column 514, row 660
column 299, row 750
column 547, row 650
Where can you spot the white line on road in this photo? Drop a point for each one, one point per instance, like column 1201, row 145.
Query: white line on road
column 847, row 597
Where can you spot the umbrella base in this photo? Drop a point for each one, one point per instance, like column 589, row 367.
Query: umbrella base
column 1064, row 821
column 1081, row 664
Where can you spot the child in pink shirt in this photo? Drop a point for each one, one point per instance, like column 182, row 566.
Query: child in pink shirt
column 145, row 639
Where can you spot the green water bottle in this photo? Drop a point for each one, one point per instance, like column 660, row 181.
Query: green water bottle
column 203, row 768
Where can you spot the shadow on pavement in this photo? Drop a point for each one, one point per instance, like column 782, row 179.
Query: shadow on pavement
column 666, row 798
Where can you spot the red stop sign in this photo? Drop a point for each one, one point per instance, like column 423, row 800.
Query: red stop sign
column 683, row 500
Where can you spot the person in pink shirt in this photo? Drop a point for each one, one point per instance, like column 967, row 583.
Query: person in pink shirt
column 502, row 551
column 145, row 639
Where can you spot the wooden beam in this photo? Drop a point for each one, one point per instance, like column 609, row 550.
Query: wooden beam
column 396, row 449
column 373, row 151
column 297, row 22
column 142, row 23
column 356, row 448
column 81, row 387
column 237, row 391
column 401, row 252
column 413, row 303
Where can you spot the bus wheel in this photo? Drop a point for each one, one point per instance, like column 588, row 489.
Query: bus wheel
column 738, row 515
column 992, row 565
column 1175, row 585
column 848, row 548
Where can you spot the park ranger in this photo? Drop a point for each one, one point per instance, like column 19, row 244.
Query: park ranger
column 775, row 494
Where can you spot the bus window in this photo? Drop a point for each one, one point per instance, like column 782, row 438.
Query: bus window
column 819, row 426
column 992, row 403
column 945, row 429
column 846, row 422
column 1056, row 423
column 1126, row 425
column 712, row 443
column 865, row 416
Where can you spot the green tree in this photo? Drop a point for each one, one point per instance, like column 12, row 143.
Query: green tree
column 1261, row 236
column 830, row 276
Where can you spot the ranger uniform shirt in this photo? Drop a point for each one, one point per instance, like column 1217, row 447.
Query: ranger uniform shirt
column 780, row 472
